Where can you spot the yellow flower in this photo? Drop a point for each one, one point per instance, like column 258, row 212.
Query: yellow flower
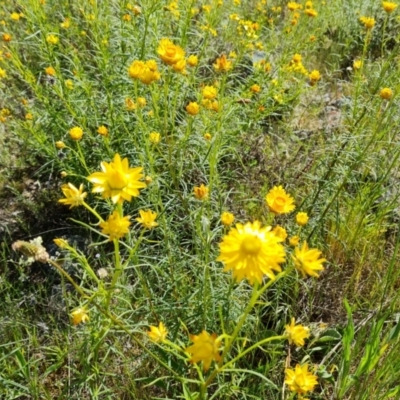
column 61, row 243
column 301, row 218
column 117, row 181
column 154, row 137
column 201, row 192
column 52, row 39
column 193, row 108
column 294, row 241
column 116, row 226
column 251, row 252
column 15, row 16
column 309, row 4
column 28, row 116
column 69, row 84
column 146, row 72
column 307, row 260
column 300, row 380
column 297, row 58
column 311, row 12
column 169, row 52
column 147, row 219
column 130, row 105
column 207, row 136
column 357, row 64
column 6, row 37
column 297, row 333
column 50, row 71
column 280, row 232
column 386, row 94
column 158, row 334
column 192, row 60
column 222, row 64
column 368, row 22
column 73, row 196
column 227, row 218
column 209, row 92
column 293, row 6
column 3, row 73
column 102, row 130
column 205, row 349
column 76, row 133
column 389, row 6
column 66, row 23
column 79, row 315
column 141, row 102
column 255, row 88
column 126, row 17
column 60, row 144
column 180, row 66
column 63, row 174
column 279, row 202
column 314, row 76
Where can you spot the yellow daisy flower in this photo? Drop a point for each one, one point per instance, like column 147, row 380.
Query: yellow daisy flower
column 205, row 349
column 300, row 380
column 117, row 181
column 251, row 252
column 73, row 196
column 279, row 202
column 307, row 260
column 297, row 333
column 147, row 219
column 79, row 315
column 158, row 334
column 116, row 226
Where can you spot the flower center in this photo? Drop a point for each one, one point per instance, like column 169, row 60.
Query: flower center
column 280, row 201
column 251, row 245
column 118, row 180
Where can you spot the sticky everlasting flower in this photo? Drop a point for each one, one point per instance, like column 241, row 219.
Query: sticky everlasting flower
column 76, row 133
column 147, row 219
column 300, row 380
column 307, row 260
column 154, row 137
column 251, row 252
column 192, row 60
column 6, row 37
column 193, row 108
column 280, row 232
column 386, row 94
column 209, row 92
column 102, row 130
column 279, row 202
column 389, row 6
column 201, row 192
column 227, row 218
column 117, row 181
column 50, row 71
column 301, row 218
column 314, row 76
column 79, row 315
column 52, row 39
column 169, row 52
column 146, row 72
column 222, row 64
column 73, row 196
column 204, row 348
column 158, row 334
column 294, row 241
column 368, row 22
column 3, row 73
column 60, row 144
column 116, row 226
column 296, row 333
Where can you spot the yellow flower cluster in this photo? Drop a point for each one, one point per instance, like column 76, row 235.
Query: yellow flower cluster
column 146, row 71
column 172, row 55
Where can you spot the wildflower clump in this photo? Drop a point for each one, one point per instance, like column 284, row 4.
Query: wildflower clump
column 251, row 251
